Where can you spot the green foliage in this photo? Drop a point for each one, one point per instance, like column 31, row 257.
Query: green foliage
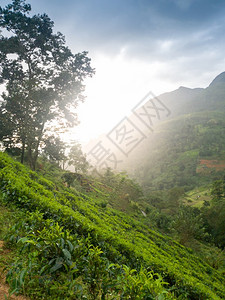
column 143, row 285
column 43, row 79
column 173, row 198
column 170, row 157
column 77, row 159
column 214, row 213
column 73, row 247
column 189, row 225
column 124, row 192
column 218, row 190
column 53, row 255
column 54, row 149
column 69, row 178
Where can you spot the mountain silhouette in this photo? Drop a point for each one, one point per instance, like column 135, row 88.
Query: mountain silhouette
column 195, row 126
column 220, row 79
column 195, row 130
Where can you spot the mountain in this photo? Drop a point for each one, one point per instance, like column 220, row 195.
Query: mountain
column 157, row 122
column 194, row 131
column 185, row 100
column 219, row 80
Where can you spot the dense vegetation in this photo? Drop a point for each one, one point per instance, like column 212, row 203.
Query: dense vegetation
column 194, row 131
column 172, row 157
column 74, row 245
column 43, row 80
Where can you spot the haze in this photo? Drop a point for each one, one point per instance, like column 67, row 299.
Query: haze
column 137, row 47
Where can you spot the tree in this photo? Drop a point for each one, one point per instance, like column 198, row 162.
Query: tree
column 78, row 159
column 43, row 78
column 173, row 198
column 54, row 149
column 218, row 190
column 6, row 129
column 189, row 225
column 214, row 214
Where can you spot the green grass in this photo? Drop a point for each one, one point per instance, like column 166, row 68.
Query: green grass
column 197, row 197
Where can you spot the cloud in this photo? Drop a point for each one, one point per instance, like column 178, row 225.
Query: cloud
column 183, row 34
column 137, row 46
column 162, row 30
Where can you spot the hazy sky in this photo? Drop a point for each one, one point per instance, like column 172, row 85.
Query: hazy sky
column 137, row 47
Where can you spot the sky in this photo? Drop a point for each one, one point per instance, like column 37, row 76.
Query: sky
column 137, row 47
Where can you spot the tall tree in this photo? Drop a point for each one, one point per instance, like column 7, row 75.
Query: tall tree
column 43, row 78
column 77, row 159
column 54, row 149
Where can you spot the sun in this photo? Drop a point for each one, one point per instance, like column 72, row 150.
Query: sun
column 118, row 85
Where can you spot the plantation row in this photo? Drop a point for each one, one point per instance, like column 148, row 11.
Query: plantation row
column 86, row 249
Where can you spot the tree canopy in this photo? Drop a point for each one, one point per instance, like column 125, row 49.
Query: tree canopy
column 43, row 79
column 54, row 149
column 77, row 159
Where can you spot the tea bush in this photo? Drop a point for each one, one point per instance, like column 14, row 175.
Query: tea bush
column 77, row 248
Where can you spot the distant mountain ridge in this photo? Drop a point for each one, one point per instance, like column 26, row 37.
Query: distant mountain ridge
column 185, row 100
column 195, row 125
column 220, row 79
column 194, row 130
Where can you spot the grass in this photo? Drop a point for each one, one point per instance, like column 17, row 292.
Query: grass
column 197, row 197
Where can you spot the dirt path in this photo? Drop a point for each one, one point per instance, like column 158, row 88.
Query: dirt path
column 3, row 286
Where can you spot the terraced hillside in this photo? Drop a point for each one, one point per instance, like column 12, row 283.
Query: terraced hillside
column 97, row 246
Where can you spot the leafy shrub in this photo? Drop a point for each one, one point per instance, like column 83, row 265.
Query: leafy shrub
column 69, row 236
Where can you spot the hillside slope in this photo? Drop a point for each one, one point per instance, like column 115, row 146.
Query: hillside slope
column 119, row 239
column 177, row 150
column 194, row 131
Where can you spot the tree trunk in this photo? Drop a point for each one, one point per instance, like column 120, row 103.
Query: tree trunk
column 29, row 156
column 35, row 156
column 22, row 153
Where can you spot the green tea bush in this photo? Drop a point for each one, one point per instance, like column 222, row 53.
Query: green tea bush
column 80, row 248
